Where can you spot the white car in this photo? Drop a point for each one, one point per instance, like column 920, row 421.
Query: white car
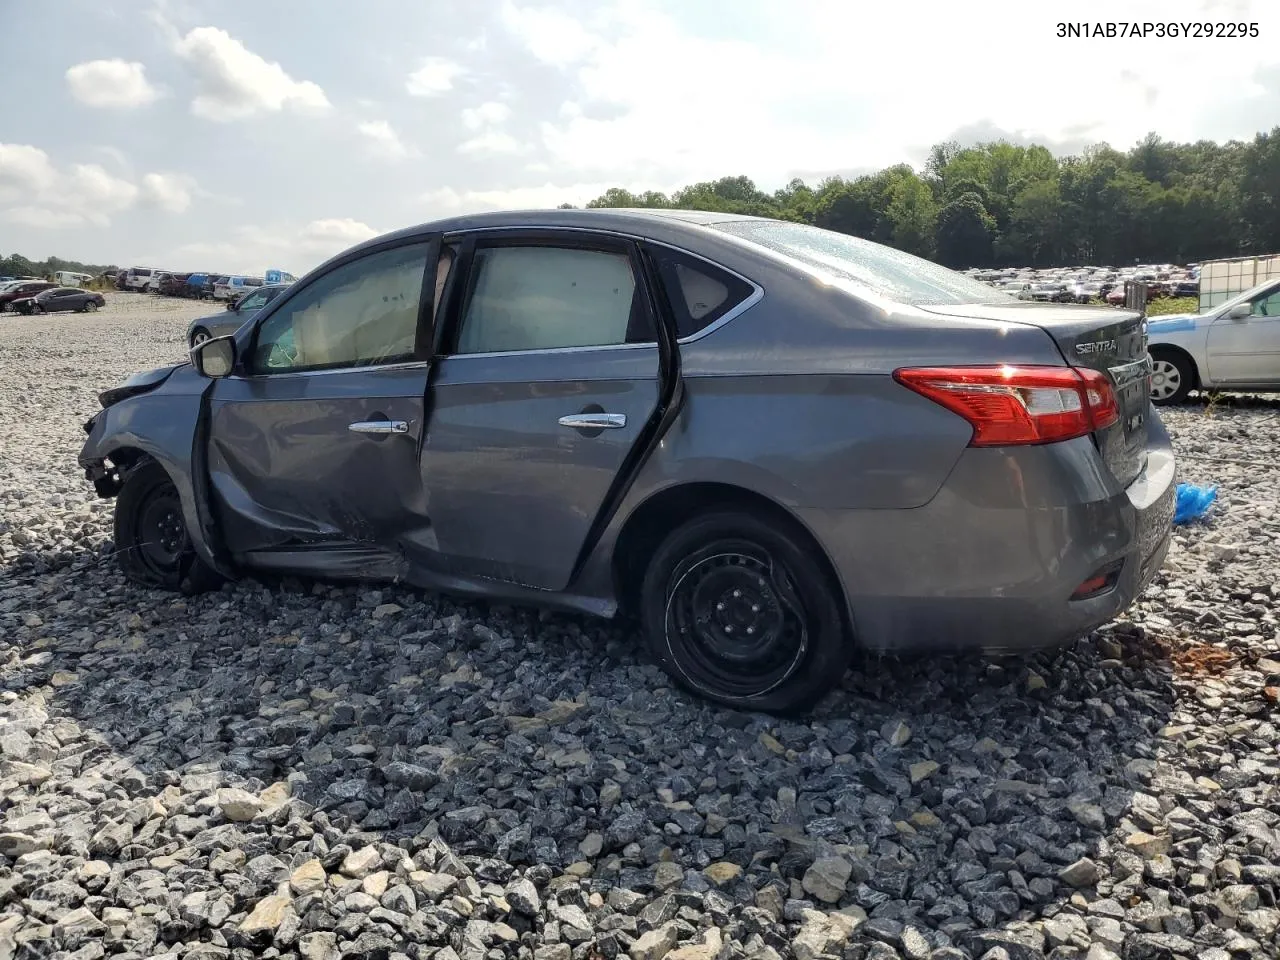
column 1234, row 346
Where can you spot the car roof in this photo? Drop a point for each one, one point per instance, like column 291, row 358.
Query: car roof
column 603, row 218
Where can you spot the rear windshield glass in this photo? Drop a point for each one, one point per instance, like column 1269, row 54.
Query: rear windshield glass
column 887, row 272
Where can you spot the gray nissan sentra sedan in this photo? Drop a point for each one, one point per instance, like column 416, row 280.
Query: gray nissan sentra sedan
column 768, row 442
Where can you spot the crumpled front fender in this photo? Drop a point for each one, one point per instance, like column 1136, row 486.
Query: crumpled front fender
column 165, row 423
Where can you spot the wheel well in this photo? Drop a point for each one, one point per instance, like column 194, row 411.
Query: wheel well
column 651, row 522
column 1169, row 350
column 126, row 459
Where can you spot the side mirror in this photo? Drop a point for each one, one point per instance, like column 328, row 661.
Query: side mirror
column 1240, row 311
column 214, row 358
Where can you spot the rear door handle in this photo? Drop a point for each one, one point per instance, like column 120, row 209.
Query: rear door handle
column 594, row 421
column 379, row 426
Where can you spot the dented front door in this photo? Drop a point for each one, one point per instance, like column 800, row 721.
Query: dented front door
column 314, row 442
column 319, row 459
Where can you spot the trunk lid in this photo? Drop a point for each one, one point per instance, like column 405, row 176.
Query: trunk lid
column 1098, row 338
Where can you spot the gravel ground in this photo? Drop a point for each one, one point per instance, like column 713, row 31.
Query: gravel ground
column 296, row 769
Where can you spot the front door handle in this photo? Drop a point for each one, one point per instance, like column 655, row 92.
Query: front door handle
column 594, row 421
column 379, row 426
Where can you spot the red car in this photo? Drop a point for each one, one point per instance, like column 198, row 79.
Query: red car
column 20, row 290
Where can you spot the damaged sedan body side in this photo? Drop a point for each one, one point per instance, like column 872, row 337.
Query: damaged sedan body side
column 314, row 453
column 767, row 441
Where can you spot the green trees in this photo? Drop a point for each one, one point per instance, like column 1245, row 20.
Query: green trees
column 1002, row 203
column 19, row 266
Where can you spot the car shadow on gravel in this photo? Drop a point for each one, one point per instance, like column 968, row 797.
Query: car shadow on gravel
column 958, row 787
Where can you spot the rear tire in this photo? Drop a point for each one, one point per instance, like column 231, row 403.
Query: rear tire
column 1172, row 377
column 737, row 610
column 153, row 546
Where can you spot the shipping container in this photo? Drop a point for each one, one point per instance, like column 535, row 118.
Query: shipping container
column 1220, row 280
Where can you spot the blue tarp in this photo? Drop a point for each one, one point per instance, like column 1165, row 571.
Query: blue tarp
column 1193, row 502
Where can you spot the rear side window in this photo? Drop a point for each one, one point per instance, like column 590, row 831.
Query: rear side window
column 697, row 293
column 880, row 270
column 544, row 298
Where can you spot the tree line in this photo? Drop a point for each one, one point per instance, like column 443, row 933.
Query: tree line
column 1003, row 204
column 19, row 266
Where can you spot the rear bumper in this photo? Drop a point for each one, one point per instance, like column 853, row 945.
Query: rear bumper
column 993, row 560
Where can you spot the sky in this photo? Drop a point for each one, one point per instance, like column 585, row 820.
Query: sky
column 241, row 135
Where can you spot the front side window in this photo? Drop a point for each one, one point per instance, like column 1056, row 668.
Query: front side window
column 361, row 314
column 1267, row 306
column 545, row 297
column 254, row 301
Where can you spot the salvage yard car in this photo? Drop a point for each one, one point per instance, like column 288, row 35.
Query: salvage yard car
column 21, row 289
column 60, row 300
column 1235, row 346
column 767, row 442
column 235, row 314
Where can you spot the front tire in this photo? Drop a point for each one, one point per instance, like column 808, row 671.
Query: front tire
column 199, row 336
column 90, row 307
column 738, row 610
column 153, row 546
column 1172, row 377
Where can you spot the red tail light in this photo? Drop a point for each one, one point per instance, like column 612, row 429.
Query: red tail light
column 1019, row 405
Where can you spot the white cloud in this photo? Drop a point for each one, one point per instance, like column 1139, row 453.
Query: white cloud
column 383, row 141
column 234, row 82
column 24, row 170
column 334, row 234
column 551, row 35
column 168, row 191
column 434, row 76
column 768, row 99
column 447, row 201
column 487, row 114
column 43, row 217
column 114, row 83
column 252, row 249
column 485, row 121
column 34, row 192
column 492, row 143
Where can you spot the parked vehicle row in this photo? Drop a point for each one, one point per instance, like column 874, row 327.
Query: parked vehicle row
column 198, row 285
column 1090, row 284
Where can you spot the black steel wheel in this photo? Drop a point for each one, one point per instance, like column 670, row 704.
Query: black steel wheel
column 153, row 545
column 739, row 610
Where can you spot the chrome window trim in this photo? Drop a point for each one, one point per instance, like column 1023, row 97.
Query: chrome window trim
column 756, row 295
column 367, row 368
column 595, row 347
